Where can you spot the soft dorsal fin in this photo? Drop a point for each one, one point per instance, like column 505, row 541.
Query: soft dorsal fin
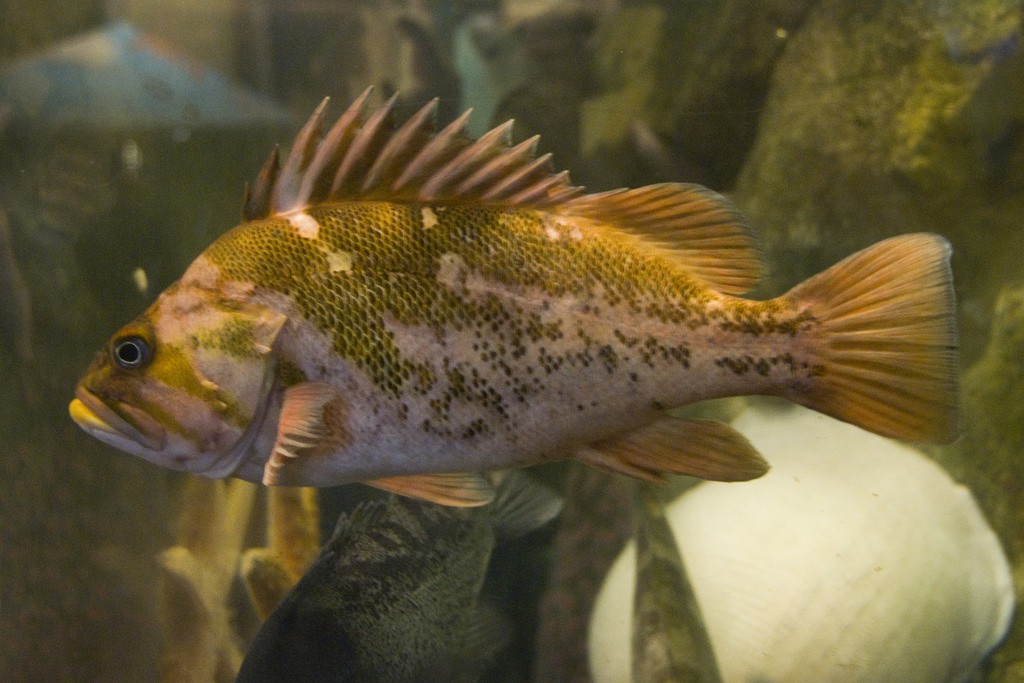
column 415, row 162
column 699, row 228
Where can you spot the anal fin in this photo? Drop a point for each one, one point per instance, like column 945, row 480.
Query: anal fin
column 455, row 489
column 675, row 445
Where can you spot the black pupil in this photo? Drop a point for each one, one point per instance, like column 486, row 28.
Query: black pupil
column 129, row 353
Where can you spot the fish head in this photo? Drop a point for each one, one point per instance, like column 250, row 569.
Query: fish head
column 184, row 386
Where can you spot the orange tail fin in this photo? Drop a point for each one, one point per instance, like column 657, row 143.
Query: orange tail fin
column 888, row 345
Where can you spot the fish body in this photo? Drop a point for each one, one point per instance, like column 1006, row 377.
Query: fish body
column 407, row 308
column 393, row 594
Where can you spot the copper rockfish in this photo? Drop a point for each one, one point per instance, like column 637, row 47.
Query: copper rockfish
column 408, row 307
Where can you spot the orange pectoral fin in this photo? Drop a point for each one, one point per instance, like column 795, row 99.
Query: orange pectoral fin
column 456, row 489
column 301, row 427
column 674, row 445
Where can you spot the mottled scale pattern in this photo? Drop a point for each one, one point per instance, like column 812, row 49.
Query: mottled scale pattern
column 235, row 337
column 489, row 272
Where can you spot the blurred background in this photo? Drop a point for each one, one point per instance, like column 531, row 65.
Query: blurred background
column 128, row 129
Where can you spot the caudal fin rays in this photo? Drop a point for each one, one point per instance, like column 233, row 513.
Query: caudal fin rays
column 887, row 344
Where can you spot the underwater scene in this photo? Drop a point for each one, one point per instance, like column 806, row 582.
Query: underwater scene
column 512, row 341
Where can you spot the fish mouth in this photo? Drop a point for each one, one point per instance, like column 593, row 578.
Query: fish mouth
column 93, row 415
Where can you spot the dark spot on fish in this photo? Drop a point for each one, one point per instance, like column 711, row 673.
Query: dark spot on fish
column 609, row 358
column 625, row 340
column 739, row 366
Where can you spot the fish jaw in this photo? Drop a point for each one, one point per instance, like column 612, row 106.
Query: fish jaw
column 132, row 430
column 128, row 428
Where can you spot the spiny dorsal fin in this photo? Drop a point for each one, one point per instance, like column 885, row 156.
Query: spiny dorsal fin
column 257, row 196
column 413, row 162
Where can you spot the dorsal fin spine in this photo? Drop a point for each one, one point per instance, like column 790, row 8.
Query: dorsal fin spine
column 441, row 149
column 418, row 129
column 286, row 189
column 494, row 168
column 259, row 196
column 541, row 191
column 320, row 172
column 368, row 140
column 462, row 164
column 515, row 181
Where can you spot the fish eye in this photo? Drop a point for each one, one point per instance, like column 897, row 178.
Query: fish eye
column 131, row 353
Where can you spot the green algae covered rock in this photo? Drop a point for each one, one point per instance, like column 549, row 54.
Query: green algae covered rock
column 887, row 118
column 695, row 73
column 990, row 456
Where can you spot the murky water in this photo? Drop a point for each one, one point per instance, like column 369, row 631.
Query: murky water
column 129, row 128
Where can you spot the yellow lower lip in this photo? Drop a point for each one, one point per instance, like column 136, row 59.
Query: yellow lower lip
column 87, row 419
column 102, row 421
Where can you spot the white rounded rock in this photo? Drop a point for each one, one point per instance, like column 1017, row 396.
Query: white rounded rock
column 856, row 558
